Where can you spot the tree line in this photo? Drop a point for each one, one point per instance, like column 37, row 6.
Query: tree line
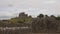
column 42, row 23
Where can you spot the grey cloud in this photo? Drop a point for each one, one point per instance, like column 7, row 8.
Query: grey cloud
column 11, row 8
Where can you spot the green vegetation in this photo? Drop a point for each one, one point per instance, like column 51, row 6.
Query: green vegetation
column 42, row 23
column 58, row 18
column 20, row 20
column 40, row 16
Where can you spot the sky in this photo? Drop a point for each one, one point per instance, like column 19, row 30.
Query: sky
column 11, row 8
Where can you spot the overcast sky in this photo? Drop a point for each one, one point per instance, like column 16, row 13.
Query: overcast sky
column 11, row 8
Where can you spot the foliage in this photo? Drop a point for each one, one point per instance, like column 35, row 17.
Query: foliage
column 40, row 16
column 58, row 18
column 44, row 24
column 20, row 20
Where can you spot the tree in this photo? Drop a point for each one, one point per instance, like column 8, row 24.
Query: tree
column 40, row 16
column 53, row 16
column 46, row 16
column 58, row 18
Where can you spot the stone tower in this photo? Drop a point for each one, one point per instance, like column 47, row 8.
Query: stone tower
column 23, row 15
